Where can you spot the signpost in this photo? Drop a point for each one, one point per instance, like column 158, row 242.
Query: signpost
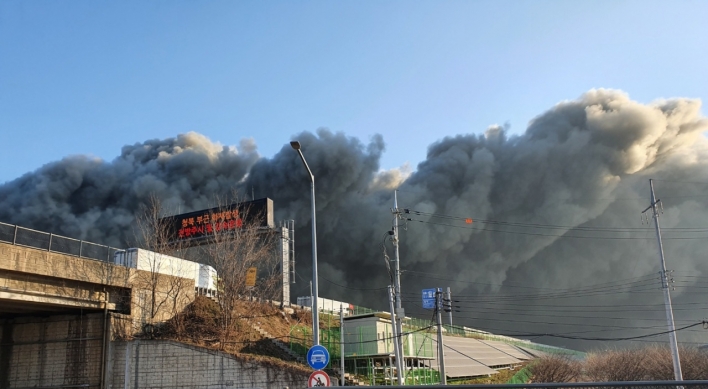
column 318, row 378
column 317, row 357
column 429, row 299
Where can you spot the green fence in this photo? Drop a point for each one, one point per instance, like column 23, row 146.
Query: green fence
column 366, row 347
column 521, row 377
column 301, row 341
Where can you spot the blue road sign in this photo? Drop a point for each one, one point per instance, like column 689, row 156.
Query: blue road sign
column 429, row 298
column 317, row 357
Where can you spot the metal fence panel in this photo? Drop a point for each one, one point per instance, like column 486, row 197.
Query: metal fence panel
column 66, row 245
column 32, row 238
column 56, row 243
column 7, row 233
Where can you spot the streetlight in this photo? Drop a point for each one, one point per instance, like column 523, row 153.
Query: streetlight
column 315, row 314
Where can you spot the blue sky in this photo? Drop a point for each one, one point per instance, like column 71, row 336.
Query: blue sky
column 87, row 77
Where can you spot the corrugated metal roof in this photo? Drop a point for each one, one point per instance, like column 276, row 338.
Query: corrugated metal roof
column 458, row 365
column 465, row 370
column 507, row 349
column 466, row 357
column 480, row 351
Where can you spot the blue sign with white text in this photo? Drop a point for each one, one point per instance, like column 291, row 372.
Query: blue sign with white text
column 429, row 298
column 317, row 357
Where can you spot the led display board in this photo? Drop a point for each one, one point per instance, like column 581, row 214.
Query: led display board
column 194, row 228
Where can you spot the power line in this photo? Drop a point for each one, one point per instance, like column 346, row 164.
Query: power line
column 617, row 339
column 566, row 316
column 558, row 324
column 647, row 310
column 429, row 275
column 349, row 287
column 470, row 220
column 601, row 339
column 555, row 235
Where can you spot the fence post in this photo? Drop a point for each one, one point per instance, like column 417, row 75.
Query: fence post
column 50, row 243
column 81, row 246
column 14, row 239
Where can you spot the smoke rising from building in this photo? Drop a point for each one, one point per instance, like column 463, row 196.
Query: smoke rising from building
column 541, row 203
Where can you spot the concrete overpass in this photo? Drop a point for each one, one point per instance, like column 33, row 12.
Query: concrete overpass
column 40, row 282
column 62, row 304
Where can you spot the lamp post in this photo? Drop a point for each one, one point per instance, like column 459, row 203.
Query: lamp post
column 315, row 313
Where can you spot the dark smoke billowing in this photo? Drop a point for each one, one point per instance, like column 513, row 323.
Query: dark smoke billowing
column 580, row 166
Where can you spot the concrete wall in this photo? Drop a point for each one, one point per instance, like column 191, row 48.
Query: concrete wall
column 45, row 263
column 51, row 352
column 166, row 364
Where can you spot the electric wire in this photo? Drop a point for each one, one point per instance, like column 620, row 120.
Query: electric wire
column 349, row 287
column 516, row 313
column 441, row 277
column 615, row 339
column 538, row 226
column 560, row 335
column 550, row 226
column 600, row 289
column 554, row 307
column 491, row 311
column 564, row 236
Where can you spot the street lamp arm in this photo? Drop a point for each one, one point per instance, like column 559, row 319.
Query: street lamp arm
column 296, row 146
column 302, row 157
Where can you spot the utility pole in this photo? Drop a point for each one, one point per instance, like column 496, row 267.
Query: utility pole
column 341, row 344
column 400, row 314
column 441, row 347
column 448, row 307
column 394, row 332
column 678, row 375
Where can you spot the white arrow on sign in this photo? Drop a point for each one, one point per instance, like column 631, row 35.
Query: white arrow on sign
column 318, row 378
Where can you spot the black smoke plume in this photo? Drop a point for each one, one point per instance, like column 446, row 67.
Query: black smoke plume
column 555, row 245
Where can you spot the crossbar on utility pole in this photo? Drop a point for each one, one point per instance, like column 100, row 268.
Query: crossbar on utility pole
column 449, row 308
column 678, row 375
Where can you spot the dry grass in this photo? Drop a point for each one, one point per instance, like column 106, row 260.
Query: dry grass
column 200, row 322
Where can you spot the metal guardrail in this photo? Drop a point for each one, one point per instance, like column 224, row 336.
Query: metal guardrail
column 21, row 236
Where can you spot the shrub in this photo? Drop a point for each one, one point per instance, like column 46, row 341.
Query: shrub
column 616, row 365
column 556, row 368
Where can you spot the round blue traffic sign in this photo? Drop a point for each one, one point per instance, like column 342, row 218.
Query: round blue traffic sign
column 317, row 357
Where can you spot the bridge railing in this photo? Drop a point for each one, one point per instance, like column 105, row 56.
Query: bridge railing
column 21, row 236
